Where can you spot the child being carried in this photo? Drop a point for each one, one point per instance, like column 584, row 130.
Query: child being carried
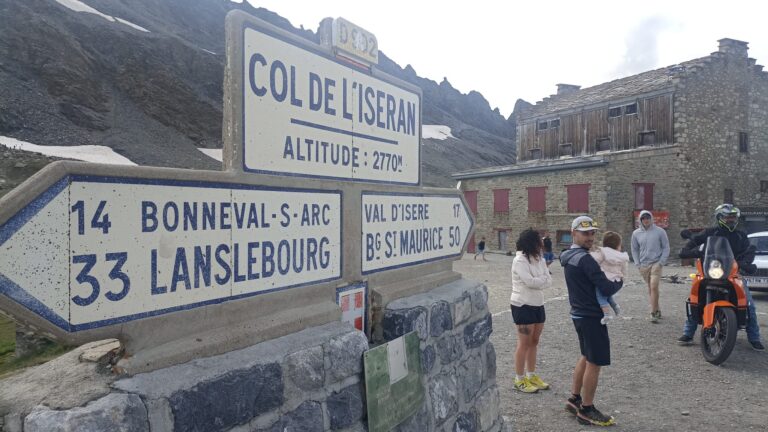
column 613, row 262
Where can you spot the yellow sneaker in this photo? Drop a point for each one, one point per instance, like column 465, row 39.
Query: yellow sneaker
column 525, row 386
column 536, row 381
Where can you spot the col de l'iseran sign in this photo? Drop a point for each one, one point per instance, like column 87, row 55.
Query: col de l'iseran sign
column 90, row 250
column 310, row 115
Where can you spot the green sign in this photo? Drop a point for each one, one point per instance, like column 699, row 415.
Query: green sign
column 393, row 382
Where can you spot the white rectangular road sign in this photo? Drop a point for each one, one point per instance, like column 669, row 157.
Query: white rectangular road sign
column 95, row 251
column 307, row 114
column 402, row 229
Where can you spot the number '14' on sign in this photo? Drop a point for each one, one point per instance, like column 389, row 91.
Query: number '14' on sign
column 100, row 220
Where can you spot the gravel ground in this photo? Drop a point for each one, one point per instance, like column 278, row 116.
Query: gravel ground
column 652, row 385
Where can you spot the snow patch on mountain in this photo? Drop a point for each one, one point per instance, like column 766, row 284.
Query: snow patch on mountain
column 79, row 6
column 438, row 132
column 88, row 153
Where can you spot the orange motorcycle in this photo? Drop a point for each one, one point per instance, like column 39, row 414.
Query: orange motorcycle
column 717, row 301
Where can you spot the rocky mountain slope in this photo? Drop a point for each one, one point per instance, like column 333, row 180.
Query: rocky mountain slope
column 144, row 77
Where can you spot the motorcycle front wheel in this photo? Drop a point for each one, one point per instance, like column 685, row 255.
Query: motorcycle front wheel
column 718, row 341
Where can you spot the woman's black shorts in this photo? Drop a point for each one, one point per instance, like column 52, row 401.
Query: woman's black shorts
column 526, row 314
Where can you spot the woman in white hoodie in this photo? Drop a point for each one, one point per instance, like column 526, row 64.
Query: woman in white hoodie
column 530, row 276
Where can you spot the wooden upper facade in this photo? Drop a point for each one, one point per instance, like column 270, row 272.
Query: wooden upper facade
column 623, row 124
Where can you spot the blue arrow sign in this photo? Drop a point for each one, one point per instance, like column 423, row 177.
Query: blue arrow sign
column 96, row 251
column 404, row 229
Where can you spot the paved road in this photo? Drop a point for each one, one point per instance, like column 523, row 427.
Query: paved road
column 652, row 385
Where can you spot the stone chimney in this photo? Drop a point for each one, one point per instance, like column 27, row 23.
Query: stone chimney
column 563, row 89
column 733, row 47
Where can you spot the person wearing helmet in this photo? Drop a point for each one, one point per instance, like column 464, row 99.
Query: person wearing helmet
column 726, row 221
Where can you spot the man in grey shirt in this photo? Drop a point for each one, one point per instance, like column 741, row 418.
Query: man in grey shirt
column 650, row 250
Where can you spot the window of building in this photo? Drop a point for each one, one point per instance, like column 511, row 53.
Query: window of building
column 643, row 196
column 647, row 139
column 630, row 109
column 501, row 200
column 763, row 186
column 554, row 123
column 535, row 153
column 542, row 125
column 743, row 142
column 603, row 144
column 728, row 196
column 563, row 238
column 537, row 199
column 566, row 149
column 614, row 112
column 471, row 197
column 578, row 198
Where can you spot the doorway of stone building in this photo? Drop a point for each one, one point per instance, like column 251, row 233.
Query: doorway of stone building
column 471, row 245
column 503, row 240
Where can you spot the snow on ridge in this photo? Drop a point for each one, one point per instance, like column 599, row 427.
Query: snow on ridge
column 88, row 153
column 213, row 153
column 78, row 6
column 438, row 132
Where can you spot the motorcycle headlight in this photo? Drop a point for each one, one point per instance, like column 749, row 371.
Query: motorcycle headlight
column 715, row 269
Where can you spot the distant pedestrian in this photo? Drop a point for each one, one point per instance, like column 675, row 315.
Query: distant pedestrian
column 549, row 257
column 584, row 279
column 650, row 251
column 481, row 249
column 613, row 262
column 530, row 276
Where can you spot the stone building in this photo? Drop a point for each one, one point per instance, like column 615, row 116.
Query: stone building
column 677, row 140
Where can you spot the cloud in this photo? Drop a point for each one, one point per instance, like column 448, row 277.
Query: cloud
column 642, row 45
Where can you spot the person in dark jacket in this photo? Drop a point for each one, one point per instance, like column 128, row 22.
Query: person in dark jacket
column 584, row 278
column 727, row 219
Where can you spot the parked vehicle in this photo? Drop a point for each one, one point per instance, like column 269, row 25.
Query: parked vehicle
column 717, row 302
column 759, row 280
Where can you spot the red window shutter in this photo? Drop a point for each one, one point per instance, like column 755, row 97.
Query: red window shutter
column 649, row 196
column 501, row 200
column 643, row 196
column 471, row 197
column 537, row 201
column 578, row 198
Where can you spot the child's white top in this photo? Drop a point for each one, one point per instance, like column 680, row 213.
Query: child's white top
column 612, row 262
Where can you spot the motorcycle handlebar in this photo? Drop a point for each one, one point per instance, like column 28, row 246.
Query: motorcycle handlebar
column 690, row 253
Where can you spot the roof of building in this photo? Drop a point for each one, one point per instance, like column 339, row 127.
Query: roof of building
column 622, row 88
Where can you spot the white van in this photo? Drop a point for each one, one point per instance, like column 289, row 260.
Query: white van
column 759, row 280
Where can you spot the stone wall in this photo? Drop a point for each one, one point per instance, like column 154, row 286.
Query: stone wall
column 725, row 95
column 307, row 381
column 659, row 166
column 557, row 217
column 457, row 359
column 611, row 196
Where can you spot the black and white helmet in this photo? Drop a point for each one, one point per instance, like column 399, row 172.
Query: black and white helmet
column 724, row 210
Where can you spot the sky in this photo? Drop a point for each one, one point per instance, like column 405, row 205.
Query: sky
column 511, row 50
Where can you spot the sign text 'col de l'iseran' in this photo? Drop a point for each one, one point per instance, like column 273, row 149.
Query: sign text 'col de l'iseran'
column 308, row 114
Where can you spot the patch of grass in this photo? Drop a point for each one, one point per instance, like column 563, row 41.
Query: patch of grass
column 9, row 362
column 7, row 336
